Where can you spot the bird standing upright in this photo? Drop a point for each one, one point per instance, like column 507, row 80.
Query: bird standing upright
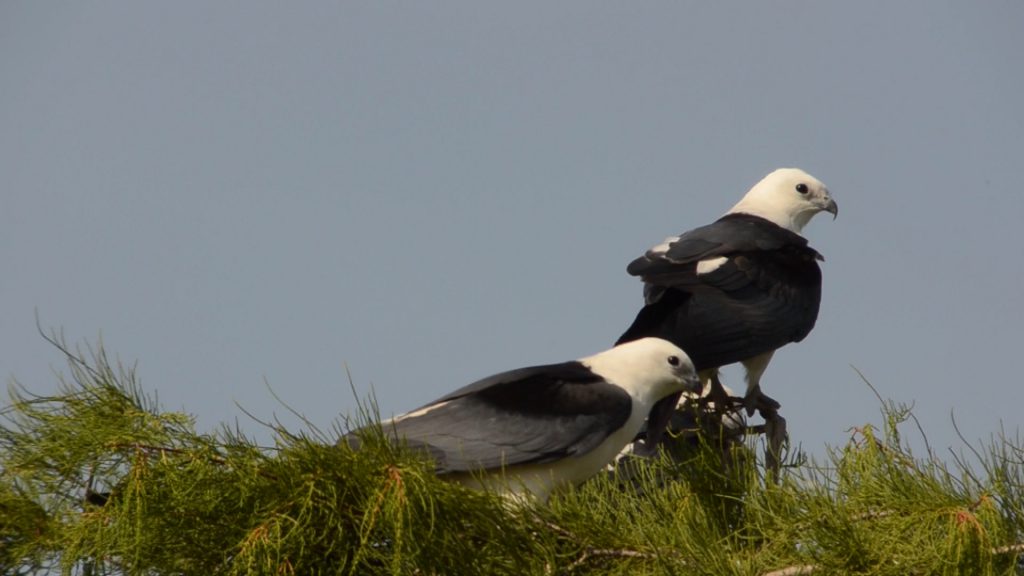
column 738, row 289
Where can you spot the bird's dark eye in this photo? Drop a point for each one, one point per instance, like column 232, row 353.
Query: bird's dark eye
column 801, row 188
column 673, row 360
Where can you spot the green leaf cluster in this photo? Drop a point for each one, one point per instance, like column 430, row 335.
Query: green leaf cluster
column 97, row 479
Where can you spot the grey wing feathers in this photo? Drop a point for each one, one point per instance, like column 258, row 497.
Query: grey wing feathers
column 530, row 415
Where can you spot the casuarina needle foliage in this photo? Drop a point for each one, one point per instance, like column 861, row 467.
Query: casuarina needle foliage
column 97, row 479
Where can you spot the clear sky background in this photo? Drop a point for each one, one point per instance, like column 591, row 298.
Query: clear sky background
column 430, row 193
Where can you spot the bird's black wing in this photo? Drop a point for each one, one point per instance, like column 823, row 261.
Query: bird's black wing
column 530, row 415
column 759, row 289
column 675, row 262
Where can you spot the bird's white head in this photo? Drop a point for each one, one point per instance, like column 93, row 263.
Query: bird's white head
column 788, row 197
column 648, row 368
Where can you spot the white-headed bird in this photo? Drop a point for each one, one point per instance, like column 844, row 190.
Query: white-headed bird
column 532, row 431
column 738, row 289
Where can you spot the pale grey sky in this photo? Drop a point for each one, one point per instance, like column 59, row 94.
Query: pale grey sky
column 434, row 192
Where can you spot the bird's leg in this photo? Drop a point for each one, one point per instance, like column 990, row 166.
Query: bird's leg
column 716, row 392
column 775, row 436
column 755, row 368
column 774, row 425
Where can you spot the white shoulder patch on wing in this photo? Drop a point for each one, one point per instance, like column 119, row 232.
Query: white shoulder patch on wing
column 415, row 413
column 710, row 265
column 664, row 246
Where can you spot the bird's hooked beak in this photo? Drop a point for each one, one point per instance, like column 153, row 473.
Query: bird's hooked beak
column 692, row 384
column 831, row 207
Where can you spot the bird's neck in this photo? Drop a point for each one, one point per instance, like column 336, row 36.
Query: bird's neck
column 775, row 214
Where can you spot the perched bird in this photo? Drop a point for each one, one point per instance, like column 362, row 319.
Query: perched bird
column 738, row 289
column 532, row 431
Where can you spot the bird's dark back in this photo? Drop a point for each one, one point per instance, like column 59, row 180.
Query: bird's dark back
column 776, row 303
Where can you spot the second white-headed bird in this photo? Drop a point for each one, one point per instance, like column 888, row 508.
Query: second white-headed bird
column 532, row 431
column 738, row 289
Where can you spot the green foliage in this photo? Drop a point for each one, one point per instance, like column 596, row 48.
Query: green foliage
column 98, row 480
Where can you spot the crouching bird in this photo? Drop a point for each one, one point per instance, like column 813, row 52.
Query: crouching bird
column 738, row 289
column 529, row 432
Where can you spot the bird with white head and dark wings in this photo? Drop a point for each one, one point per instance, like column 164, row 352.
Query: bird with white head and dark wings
column 529, row 432
column 738, row 289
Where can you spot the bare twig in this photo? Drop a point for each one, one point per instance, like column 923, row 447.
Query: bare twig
column 793, row 570
column 873, row 515
column 556, row 529
column 1017, row 548
column 920, row 429
column 866, row 381
column 960, row 462
column 56, row 339
column 167, row 450
column 591, row 553
column 800, row 570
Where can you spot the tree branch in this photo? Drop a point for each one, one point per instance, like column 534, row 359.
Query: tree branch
column 591, row 553
column 793, row 571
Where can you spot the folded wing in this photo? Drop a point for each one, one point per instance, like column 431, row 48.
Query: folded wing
column 530, row 415
column 731, row 290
